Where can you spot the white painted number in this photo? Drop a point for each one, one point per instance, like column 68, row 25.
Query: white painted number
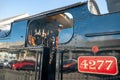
column 101, row 64
column 93, row 64
column 84, row 64
column 110, row 63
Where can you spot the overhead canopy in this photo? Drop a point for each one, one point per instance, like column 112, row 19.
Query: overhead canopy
column 62, row 19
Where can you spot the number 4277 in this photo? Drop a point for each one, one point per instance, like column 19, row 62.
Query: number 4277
column 96, row 64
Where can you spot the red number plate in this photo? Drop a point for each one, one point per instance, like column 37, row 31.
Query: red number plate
column 98, row 65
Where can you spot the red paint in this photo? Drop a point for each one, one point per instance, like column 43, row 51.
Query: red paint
column 98, row 65
column 95, row 49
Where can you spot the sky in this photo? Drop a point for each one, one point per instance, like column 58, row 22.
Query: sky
column 10, row 8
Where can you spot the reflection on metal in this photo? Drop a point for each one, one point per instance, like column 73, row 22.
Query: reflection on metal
column 11, row 36
column 12, row 19
column 99, row 7
column 85, row 23
column 82, row 38
column 16, row 37
column 5, row 24
column 46, row 27
column 44, row 30
column 93, row 7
